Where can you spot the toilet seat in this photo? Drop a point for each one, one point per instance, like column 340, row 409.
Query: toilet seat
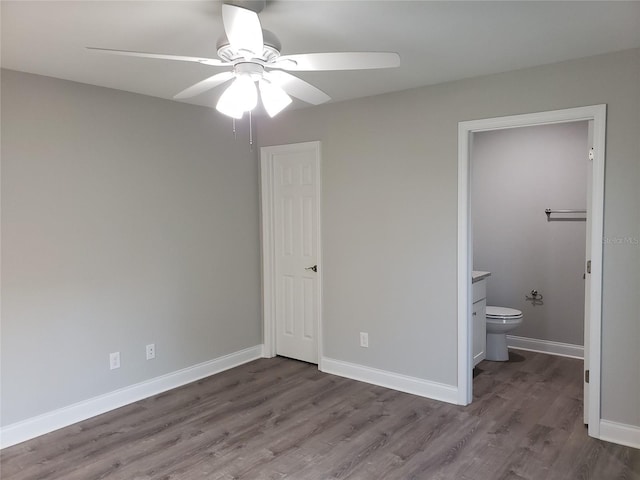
column 503, row 314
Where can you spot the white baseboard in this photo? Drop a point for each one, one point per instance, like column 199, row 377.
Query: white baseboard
column 546, row 346
column 395, row 381
column 628, row 435
column 47, row 422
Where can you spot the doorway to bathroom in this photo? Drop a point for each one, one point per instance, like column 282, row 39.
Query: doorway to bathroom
column 583, row 222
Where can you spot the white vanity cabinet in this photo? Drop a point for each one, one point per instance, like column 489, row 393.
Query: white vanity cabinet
column 479, row 316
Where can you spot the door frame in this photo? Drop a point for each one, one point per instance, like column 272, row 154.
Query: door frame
column 267, row 219
column 466, row 129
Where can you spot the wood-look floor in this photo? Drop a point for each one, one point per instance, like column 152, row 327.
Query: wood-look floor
column 279, row 418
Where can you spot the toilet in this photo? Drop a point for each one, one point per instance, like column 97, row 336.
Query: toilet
column 500, row 321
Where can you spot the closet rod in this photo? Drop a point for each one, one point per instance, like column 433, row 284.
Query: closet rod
column 549, row 211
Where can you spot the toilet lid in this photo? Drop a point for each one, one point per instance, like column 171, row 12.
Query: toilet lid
column 503, row 312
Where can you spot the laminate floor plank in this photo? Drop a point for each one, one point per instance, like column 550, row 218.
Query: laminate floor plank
column 276, row 419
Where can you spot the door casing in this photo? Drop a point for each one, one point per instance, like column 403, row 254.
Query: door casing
column 268, row 242
column 593, row 305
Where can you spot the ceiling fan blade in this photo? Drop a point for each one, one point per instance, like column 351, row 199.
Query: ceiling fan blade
column 243, row 30
column 204, row 85
column 337, row 61
column 206, row 61
column 297, row 87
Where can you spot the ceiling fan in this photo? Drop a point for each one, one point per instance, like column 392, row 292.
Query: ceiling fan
column 254, row 57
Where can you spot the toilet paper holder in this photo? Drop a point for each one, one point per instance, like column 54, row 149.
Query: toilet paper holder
column 535, row 298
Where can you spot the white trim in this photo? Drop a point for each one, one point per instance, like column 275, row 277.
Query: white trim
column 319, row 249
column 597, row 236
column 268, row 254
column 48, row 422
column 596, row 113
column 620, row 433
column 268, row 245
column 546, row 346
column 465, row 302
column 395, row 381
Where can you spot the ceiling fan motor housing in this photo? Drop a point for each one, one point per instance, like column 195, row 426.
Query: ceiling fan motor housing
column 253, row 5
column 270, row 53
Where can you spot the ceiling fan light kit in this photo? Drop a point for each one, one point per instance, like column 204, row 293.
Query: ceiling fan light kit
column 241, row 96
column 274, row 98
column 254, row 54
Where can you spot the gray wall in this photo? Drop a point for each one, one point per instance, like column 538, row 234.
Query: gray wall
column 389, row 212
column 515, row 175
column 126, row 220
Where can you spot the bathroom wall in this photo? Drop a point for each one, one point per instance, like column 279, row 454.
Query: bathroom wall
column 516, row 174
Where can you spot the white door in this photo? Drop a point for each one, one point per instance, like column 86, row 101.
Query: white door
column 294, row 177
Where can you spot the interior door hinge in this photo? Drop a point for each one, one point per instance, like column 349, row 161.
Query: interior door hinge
column 586, row 376
column 592, row 154
column 588, row 266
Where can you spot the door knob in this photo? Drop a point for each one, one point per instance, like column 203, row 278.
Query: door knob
column 314, row 268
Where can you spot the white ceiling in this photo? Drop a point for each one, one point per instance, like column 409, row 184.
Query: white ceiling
column 437, row 41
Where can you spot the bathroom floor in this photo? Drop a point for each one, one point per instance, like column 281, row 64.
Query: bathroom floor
column 283, row 419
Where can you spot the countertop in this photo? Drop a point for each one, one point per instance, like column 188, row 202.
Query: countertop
column 477, row 275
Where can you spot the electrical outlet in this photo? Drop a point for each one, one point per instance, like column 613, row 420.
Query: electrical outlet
column 364, row 339
column 114, row 360
column 151, row 351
